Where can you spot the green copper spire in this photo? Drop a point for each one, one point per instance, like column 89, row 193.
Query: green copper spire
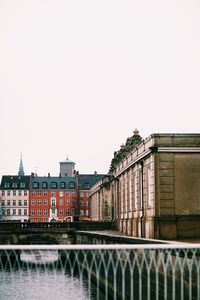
column 21, row 168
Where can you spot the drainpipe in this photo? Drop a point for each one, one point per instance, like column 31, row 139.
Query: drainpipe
column 142, row 200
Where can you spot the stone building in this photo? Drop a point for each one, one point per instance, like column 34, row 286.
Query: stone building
column 101, row 206
column 155, row 186
column 14, row 192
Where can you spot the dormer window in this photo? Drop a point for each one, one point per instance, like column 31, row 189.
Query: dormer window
column 14, row 185
column 35, row 185
column 6, row 185
column 44, row 185
column 22, row 185
column 62, row 185
column 71, row 185
column 53, row 185
column 87, row 185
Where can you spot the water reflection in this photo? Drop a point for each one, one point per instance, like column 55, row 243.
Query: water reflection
column 33, row 275
column 41, row 284
column 39, row 256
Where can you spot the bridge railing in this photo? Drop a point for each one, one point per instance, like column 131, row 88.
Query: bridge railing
column 86, row 225
column 100, row 272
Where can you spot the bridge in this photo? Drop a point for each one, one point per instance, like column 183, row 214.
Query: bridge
column 47, row 232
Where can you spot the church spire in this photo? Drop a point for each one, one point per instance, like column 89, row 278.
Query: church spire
column 21, row 168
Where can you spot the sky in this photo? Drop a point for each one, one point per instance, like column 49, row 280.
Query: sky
column 77, row 77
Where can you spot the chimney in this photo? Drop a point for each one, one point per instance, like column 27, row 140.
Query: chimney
column 48, row 174
column 59, row 174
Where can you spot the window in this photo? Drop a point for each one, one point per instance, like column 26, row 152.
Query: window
column 130, row 192
column 149, row 187
column 14, row 202
column 135, row 191
column 45, row 193
column 67, row 193
column 61, row 202
column 141, row 189
column 74, row 202
column 33, row 202
column 19, row 202
column 14, row 212
column 60, row 193
column 45, row 202
column 8, row 202
column 53, row 194
column 8, row 193
column 87, row 212
column 19, row 212
column 87, row 185
column 62, row 185
column 67, row 211
column 25, row 212
column 25, row 193
column 3, row 203
column 22, row 185
column 39, row 211
column 3, row 193
column 53, row 185
column 33, row 193
column 81, row 203
column 39, row 202
column 87, row 194
column 74, row 193
column 35, row 185
column 25, row 202
column 39, row 193
column 14, row 185
column 19, row 193
column 67, row 202
column 32, row 212
column 44, row 185
column 14, row 193
column 71, row 185
column 53, row 202
column 53, row 210
column 82, row 212
column 81, row 194
column 45, row 212
column 8, row 212
column 87, row 203
column 61, row 211
column 6, row 185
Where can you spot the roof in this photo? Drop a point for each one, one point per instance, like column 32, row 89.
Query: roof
column 86, row 181
column 14, row 182
column 67, row 161
column 57, row 183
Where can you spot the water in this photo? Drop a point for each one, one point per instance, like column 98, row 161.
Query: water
column 38, row 279
column 41, row 284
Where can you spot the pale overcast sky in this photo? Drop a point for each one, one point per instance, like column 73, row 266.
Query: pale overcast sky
column 77, row 77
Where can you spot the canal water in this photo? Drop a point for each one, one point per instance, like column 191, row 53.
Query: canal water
column 38, row 279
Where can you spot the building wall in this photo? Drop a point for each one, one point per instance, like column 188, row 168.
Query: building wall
column 155, row 188
column 101, row 201
column 46, row 205
column 15, row 205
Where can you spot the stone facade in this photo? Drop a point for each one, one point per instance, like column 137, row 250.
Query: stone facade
column 155, row 188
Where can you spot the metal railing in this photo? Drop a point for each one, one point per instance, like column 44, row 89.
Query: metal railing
column 83, row 225
column 100, row 272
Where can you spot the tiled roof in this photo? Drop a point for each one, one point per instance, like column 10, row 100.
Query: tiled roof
column 53, row 182
column 86, row 181
column 13, row 182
